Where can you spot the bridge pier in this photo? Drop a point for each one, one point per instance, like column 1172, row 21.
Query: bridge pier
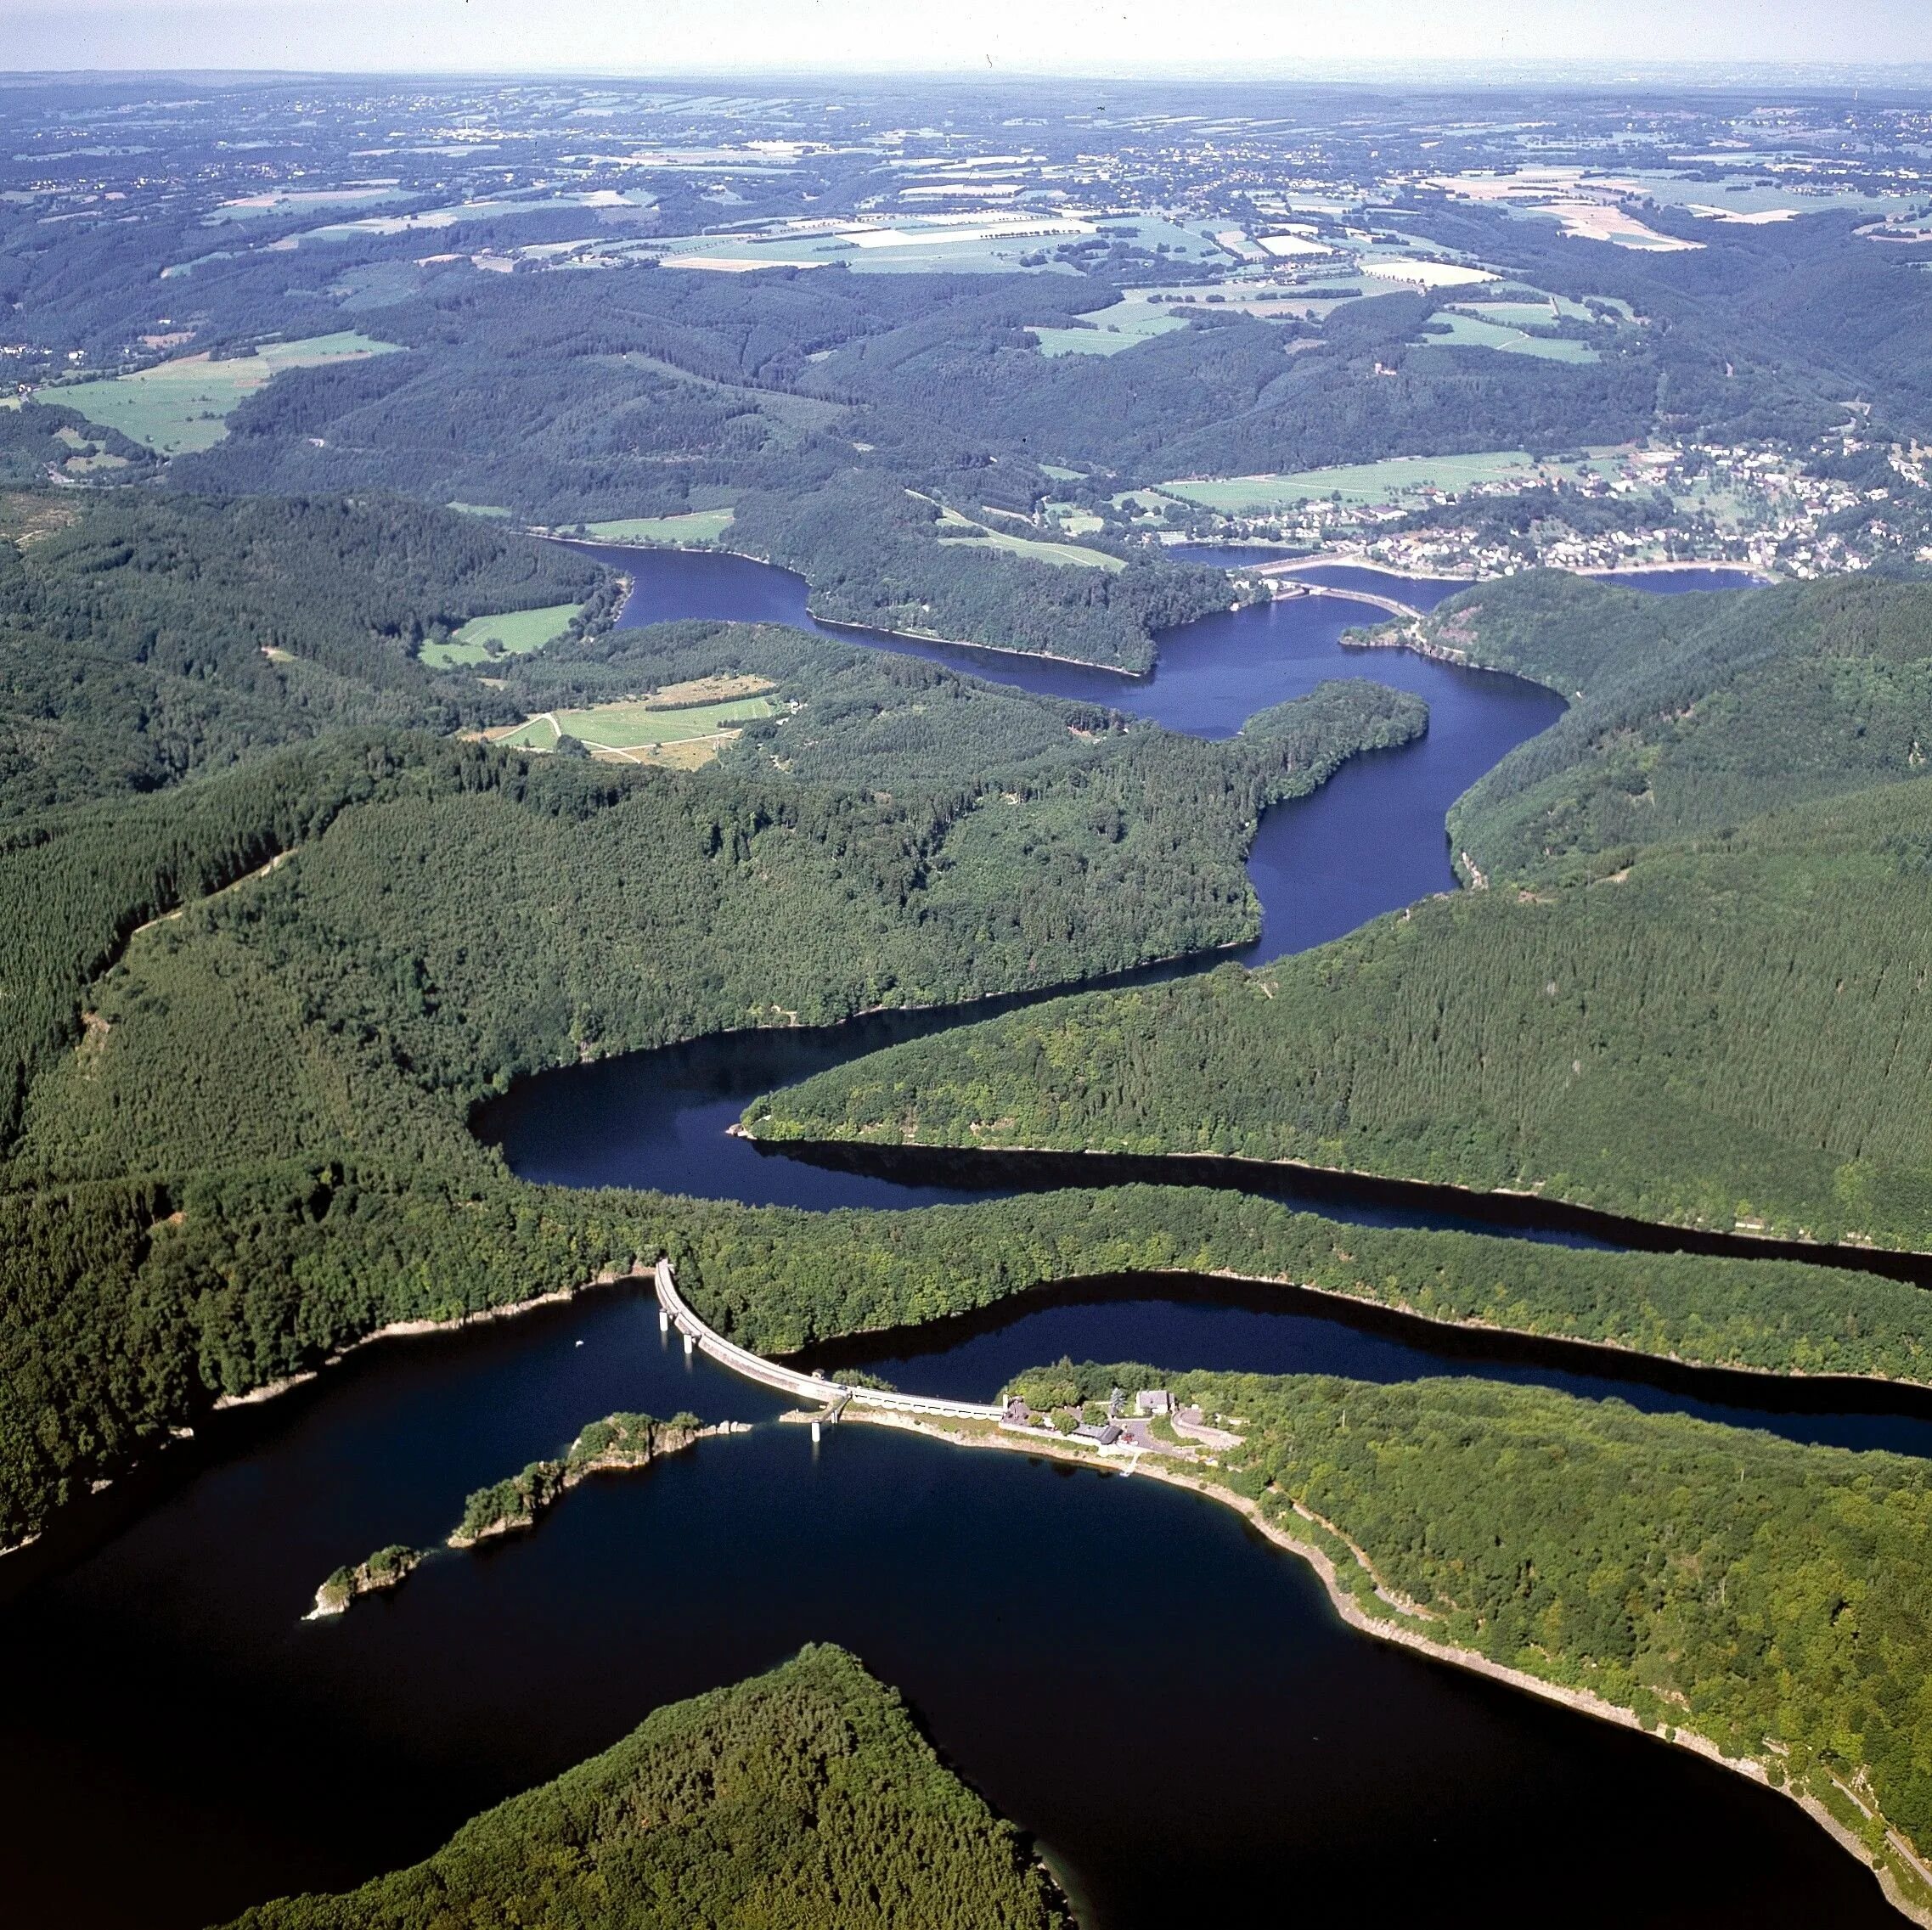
column 663, row 1319
column 814, row 1433
column 691, row 1345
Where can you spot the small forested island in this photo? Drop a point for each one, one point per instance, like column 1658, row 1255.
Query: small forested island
column 804, row 1799
column 384, row 1569
column 618, row 1441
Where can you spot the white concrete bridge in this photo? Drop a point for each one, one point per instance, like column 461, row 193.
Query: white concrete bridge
column 1285, row 573
column 673, row 1310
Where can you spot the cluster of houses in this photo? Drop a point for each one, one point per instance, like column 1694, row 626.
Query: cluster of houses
column 1130, row 1429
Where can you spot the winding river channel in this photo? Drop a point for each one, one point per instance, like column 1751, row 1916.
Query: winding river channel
column 1167, row 1701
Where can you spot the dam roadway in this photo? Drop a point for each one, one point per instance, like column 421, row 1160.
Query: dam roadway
column 675, row 1311
column 1283, row 581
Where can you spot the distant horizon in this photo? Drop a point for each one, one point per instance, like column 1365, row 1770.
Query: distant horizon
column 1111, row 39
column 1467, row 74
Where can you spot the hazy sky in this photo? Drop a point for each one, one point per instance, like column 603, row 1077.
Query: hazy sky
column 982, row 36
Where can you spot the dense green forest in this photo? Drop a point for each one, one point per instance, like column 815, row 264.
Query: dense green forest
column 325, row 1025
column 448, row 915
column 805, row 1798
column 143, row 637
column 1729, row 1031
column 635, row 392
column 641, row 393
column 276, row 921
column 816, row 403
column 873, row 555
column 479, row 915
column 1764, row 333
column 1768, row 1596
column 1222, row 397
column 1689, row 713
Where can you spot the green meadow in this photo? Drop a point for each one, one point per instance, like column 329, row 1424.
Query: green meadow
column 1040, row 550
column 621, row 728
column 1391, row 480
column 178, row 406
column 698, row 526
column 956, row 528
column 516, row 633
column 1112, row 329
column 1468, row 330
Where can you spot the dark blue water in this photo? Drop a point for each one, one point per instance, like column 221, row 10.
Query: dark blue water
column 1166, row 1700
column 1370, row 840
column 1210, row 678
column 1270, row 1330
column 1126, row 1670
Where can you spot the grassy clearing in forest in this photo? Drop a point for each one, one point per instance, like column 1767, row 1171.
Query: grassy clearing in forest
column 516, row 633
column 956, row 528
column 1110, row 331
column 1473, row 331
column 698, row 526
column 643, row 725
column 178, row 406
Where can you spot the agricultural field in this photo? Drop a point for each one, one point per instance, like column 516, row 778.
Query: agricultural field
column 1468, row 330
column 1516, row 311
column 1071, row 519
column 285, row 201
column 88, row 459
column 492, row 511
column 516, row 633
column 183, row 406
column 992, row 241
column 955, row 528
column 1113, row 329
column 643, row 732
column 1394, row 481
column 683, row 533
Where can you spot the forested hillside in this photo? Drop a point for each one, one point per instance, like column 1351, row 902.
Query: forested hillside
column 804, row 1797
column 873, row 553
column 1765, row 1596
column 1222, row 397
column 143, row 637
column 641, row 393
column 1762, row 334
column 1689, row 714
column 1728, row 1032
column 842, row 713
column 482, row 916
column 33, row 448
column 133, row 1303
column 446, row 915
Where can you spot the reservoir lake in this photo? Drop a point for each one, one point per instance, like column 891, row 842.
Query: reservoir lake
column 1165, row 1701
